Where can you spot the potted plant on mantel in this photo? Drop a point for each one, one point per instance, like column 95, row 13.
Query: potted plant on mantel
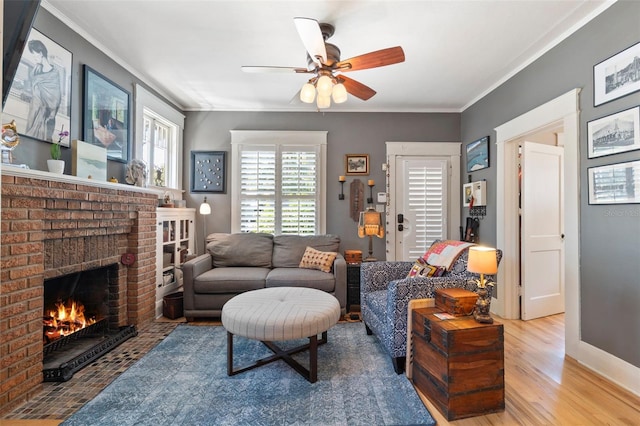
column 55, row 164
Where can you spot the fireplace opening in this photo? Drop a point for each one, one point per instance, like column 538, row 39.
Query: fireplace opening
column 79, row 323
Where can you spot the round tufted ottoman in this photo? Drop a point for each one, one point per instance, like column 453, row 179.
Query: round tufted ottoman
column 277, row 314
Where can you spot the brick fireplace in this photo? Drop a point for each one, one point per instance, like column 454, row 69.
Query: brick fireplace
column 54, row 225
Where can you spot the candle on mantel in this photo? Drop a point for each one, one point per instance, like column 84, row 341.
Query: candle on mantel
column 371, row 182
column 341, row 178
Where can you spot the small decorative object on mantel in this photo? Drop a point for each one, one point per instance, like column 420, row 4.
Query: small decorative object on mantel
column 55, row 164
column 136, row 173
column 10, row 139
column 483, row 260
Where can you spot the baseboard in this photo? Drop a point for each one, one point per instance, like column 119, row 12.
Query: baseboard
column 612, row 368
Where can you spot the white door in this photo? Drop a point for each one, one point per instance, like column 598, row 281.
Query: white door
column 420, row 204
column 542, row 234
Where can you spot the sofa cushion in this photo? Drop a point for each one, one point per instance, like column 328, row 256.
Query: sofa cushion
column 243, row 249
column 230, row 280
column 298, row 277
column 289, row 249
column 316, row 259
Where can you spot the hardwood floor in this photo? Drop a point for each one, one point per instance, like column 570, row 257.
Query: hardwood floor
column 542, row 387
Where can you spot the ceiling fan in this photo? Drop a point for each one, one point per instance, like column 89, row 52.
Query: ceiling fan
column 323, row 60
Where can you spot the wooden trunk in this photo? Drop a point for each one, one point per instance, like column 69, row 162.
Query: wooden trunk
column 456, row 301
column 458, row 363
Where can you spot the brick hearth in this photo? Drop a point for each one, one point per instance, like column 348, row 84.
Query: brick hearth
column 55, row 225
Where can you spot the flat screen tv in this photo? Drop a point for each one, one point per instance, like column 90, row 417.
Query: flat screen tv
column 17, row 22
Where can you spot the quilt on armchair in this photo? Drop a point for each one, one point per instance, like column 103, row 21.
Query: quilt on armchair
column 385, row 292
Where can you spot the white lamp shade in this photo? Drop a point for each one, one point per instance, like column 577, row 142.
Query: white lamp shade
column 307, row 93
column 482, row 260
column 205, row 208
column 339, row 93
column 323, row 101
column 324, row 86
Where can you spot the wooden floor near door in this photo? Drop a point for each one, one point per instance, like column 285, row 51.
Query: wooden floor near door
column 542, row 387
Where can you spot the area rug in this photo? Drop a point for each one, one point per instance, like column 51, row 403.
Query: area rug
column 183, row 381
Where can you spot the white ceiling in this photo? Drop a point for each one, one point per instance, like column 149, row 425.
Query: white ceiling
column 191, row 51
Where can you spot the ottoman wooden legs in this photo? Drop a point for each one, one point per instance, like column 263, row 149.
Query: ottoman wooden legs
column 310, row 374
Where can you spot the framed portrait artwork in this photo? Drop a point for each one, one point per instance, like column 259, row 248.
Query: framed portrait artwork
column 106, row 117
column 615, row 133
column 357, row 164
column 208, row 170
column 617, row 76
column 478, row 154
column 614, row 183
column 40, row 96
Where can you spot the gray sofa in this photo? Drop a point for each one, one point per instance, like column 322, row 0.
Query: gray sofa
column 235, row 263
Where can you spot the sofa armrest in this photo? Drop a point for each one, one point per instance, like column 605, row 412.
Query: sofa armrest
column 191, row 269
column 376, row 276
column 340, row 274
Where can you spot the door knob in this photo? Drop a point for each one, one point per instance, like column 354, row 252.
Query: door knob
column 400, row 227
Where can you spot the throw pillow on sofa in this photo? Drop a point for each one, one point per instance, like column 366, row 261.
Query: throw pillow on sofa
column 422, row 269
column 315, row 259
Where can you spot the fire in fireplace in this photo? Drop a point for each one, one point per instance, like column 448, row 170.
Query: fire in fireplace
column 76, row 321
column 66, row 319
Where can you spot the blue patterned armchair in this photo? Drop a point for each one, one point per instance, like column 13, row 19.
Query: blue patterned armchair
column 385, row 293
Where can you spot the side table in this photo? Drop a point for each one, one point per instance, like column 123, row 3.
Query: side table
column 458, row 363
column 353, row 285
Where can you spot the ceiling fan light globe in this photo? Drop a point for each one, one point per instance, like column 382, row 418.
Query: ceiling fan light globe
column 324, row 85
column 339, row 93
column 307, row 93
column 323, row 101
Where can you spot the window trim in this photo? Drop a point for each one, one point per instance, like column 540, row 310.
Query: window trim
column 278, row 137
column 144, row 99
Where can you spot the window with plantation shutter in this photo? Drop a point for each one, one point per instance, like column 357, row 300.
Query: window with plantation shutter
column 278, row 183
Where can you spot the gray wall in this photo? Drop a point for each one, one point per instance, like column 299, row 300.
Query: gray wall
column 609, row 234
column 35, row 153
column 348, row 133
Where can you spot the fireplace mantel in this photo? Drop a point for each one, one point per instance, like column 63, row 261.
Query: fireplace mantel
column 57, row 177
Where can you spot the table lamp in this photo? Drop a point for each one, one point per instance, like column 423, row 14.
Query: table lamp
column 370, row 224
column 482, row 260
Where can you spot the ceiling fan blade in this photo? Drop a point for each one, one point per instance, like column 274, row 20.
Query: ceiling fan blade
column 379, row 58
column 356, row 88
column 274, row 70
column 309, row 31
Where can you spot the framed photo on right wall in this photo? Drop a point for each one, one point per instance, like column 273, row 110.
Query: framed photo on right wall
column 478, row 154
column 615, row 183
column 615, row 133
column 617, row 76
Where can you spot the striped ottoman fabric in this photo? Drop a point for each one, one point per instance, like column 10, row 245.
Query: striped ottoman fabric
column 280, row 313
column 277, row 314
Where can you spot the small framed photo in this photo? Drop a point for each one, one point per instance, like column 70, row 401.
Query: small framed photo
column 208, row 171
column 615, row 133
column 40, row 100
column 357, row 164
column 615, row 183
column 478, row 154
column 106, row 118
column 617, row 76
